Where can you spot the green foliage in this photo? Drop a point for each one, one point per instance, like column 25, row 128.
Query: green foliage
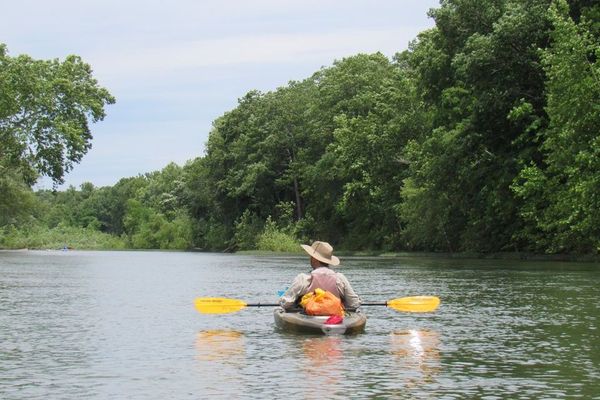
column 247, row 230
column 212, row 235
column 367, row 151
column 275, row 239
column 17, row 201
column 562, row 194
column 486, row 95
column 140, row 210
column 162, row 189
column 156, row 232
column 40, row 237
column 45, row 109
column 158, row 227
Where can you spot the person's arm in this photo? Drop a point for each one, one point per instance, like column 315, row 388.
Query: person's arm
column 351, row 299
column 298, row 288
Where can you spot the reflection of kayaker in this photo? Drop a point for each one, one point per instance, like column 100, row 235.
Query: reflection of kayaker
column 322, row 351
column 323, row 366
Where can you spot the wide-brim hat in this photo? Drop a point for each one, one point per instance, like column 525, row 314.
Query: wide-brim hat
column 322, row 251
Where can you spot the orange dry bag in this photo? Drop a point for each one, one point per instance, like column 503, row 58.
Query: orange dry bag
column 322, row 302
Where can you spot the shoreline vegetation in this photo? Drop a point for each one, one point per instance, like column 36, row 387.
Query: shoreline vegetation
column 86, row 239
column 41, row 238
column 480, row 139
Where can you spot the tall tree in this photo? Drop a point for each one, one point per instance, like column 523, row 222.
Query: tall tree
column 480, row 72
column 562, row 192
column 373, row 110
column 45, row 109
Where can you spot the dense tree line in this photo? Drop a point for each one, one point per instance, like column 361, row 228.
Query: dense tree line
column 482, row 136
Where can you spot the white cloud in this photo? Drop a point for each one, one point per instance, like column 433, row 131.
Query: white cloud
column 257, row 49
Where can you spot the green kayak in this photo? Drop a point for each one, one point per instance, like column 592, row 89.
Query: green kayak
column 295, row 321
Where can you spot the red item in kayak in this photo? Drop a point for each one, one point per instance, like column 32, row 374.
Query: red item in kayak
column 334, row 320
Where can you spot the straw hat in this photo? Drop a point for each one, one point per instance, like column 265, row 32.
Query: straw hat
column 322, row 251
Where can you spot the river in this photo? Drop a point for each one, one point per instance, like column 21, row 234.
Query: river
column 121, row 325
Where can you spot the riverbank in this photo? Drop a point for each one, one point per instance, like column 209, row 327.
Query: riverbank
column 72, row 238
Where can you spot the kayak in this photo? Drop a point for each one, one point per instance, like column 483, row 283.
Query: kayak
column 295, row 321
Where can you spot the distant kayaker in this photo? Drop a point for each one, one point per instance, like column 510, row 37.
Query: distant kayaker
column 322, row 277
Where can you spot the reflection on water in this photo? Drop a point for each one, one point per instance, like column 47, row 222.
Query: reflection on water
column 418, row 354
column 320, row 351
column 322, row 365
column 221, row 356
column 220, row 345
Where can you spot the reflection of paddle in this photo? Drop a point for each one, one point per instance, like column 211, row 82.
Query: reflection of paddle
column 220, row 345
column 220, row 305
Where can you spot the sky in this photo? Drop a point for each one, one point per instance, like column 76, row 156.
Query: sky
column 174, row 67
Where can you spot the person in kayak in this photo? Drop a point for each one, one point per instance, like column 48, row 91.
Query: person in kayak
column 321, row 276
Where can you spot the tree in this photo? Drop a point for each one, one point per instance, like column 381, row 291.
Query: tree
column 373, row 110
column 257, row 152
column 480, row 73
column 45, row 109
column 561, row 193
column 17, row 201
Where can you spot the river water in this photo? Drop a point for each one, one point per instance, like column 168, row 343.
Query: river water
column 121, row 325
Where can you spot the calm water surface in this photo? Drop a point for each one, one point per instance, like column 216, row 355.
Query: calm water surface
column 121, row 325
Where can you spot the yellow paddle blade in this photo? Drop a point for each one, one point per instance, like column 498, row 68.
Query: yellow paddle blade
column 218, row 305
column 415, row 304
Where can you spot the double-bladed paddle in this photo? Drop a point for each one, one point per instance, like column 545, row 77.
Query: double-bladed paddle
column 220, row 305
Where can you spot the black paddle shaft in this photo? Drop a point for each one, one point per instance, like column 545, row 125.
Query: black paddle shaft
column 371, row 303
